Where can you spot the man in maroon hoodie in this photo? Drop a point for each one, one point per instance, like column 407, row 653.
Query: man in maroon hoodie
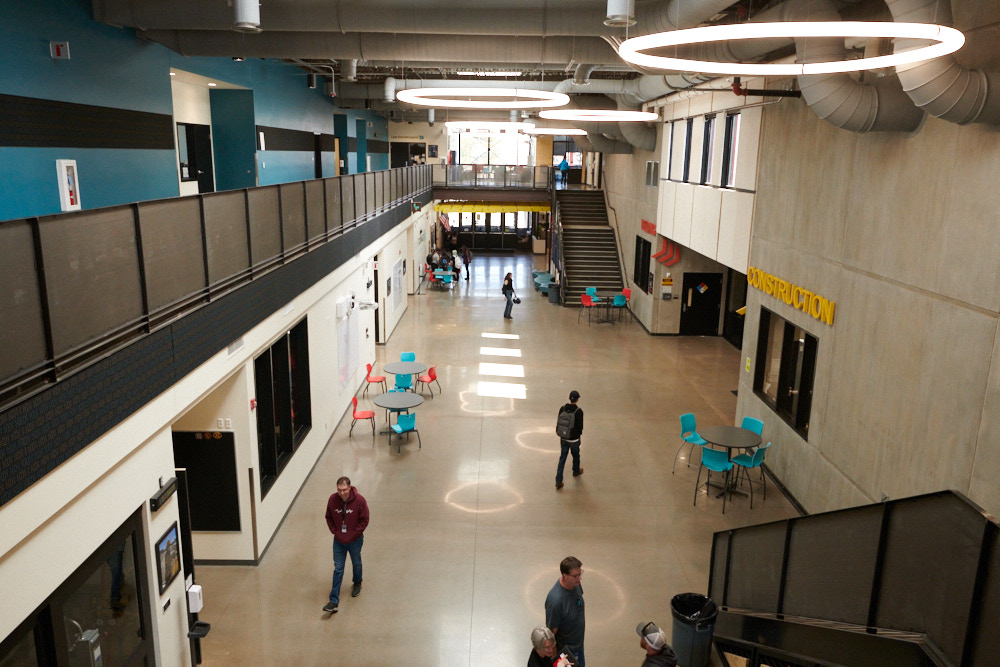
column 347, row 518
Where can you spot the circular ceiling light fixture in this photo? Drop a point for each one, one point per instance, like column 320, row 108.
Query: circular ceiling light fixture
column 559, row 131
column 477, row 98
column 597, row 115
column 946, row 40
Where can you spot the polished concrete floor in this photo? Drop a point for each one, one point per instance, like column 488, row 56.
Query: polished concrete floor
column 467, row 533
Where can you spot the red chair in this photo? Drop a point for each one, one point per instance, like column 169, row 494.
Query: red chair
column 431, row 376
column 627, row 292
column 588, row 305
column 361, row 414
column 373, row 379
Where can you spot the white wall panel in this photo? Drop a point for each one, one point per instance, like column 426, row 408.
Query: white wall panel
column 707, row 204
column 735, row 222
column 683, row 203
column 665, row 209
column 749, row 144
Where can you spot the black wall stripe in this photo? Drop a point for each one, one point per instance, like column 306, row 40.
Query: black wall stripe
column 378, row 146
column 26, row 121
column 280, row 139
column 42, row 432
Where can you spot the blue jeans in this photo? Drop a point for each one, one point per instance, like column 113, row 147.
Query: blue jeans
column 510, row 304
column 340, row 552
column 568, row 447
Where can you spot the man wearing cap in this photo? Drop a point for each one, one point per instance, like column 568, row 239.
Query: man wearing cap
column 564, row 611
column 570, row 444
column 346, row 517
column 654, row 642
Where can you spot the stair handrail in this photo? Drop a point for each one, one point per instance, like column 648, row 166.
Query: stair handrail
column 557, row 237
column 614, row 229
column 931, row 521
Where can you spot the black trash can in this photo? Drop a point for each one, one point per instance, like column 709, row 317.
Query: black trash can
column 694, row 621
column 554, row 293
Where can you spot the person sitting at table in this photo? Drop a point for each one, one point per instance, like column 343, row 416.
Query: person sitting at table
column 456, row 264
column 435, row 259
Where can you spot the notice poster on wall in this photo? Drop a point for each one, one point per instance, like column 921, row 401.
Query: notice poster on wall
column 397, row 277
column 347, row 348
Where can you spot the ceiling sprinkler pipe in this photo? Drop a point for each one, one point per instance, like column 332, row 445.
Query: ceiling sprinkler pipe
column 349, row 70
column 246, row 16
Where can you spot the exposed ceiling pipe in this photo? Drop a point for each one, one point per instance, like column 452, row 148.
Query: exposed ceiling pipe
column 838, row 98
column 246, row 16
column 581, row 77
column 531, row 18
column 430, row 117
column 607, row 146
column 942, row 87
column 349, row 70
column 640, row 135
column 413, row 49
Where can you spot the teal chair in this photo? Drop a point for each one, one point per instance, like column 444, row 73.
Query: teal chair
column 619, row 304
column 406, row 424
column 592, row 291
column 713, row 460
column 746, row 462
column 689, row 436
column 404, row 382
column 408, row 356
column 753, row 424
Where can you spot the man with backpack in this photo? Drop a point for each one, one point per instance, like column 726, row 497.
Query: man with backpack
column 569, row 427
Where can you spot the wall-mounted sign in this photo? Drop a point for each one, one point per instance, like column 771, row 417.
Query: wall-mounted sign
column 649, row 227
column 815, row 305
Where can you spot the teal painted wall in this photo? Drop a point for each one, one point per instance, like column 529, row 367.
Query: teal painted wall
column 111, row 67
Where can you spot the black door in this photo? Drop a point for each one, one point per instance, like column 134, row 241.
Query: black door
column 701, row 301
column 202, row 138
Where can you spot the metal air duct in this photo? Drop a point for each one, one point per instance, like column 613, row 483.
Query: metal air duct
column 246, row 16
column 942, row 87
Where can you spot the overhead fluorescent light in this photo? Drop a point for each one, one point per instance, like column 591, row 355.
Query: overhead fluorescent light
column 471, row 73
column 562, row 131
column 597, row 115
column 947, row 40
column 478, row 98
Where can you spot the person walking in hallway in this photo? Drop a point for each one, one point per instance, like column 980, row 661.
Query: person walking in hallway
column 466, row 259
column 508, row 292
column 346, row 517
column 654, row 642
column 569, row 427
column 564, row 610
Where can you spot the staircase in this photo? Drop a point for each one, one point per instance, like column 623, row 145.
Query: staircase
column 590, row 249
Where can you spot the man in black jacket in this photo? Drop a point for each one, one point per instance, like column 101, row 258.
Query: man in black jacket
column 571, row 443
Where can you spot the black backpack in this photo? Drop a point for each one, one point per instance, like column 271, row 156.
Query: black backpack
column 565, row 423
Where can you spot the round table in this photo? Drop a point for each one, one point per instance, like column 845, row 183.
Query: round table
column 405, row 368
column 730, row 437
column 398, row 400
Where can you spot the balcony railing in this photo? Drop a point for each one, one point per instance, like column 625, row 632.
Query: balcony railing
column 76, row 286
column 491, row 176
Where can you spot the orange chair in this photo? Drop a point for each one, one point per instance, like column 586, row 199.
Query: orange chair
column 431, row 376
column 373, row 379
column 588, row 305
column 361, row 414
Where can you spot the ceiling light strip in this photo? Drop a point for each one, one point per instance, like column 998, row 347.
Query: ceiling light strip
column 476, row 98
column 946, row 40
column 597, row 115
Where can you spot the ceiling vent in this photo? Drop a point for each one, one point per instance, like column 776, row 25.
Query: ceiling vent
column 246, row 16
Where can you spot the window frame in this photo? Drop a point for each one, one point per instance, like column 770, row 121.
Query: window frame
column 730, row 148
column 688, row 137
column 796, row 357
column 284, row 409
column 707, row 143
column 640, row 269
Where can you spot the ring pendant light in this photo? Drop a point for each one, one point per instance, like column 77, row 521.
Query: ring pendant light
column 597, row 115
column 513, row 98
column 946, row 40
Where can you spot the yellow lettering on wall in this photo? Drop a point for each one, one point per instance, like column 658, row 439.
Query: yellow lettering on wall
column 797, row 297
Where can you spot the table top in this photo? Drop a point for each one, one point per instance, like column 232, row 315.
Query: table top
column 405, row 368
column 730, row 437
column 398, row 400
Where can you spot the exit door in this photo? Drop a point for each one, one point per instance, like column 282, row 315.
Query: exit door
column 701, row 302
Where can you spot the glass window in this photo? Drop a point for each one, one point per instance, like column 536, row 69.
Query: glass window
column 284, row 413
column 729, row 149
column 688, row 135
column 640, row 273
column 669, row 128
column 707, row 141
column 786, row 360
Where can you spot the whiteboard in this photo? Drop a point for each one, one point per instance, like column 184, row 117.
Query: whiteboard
column 347, row 347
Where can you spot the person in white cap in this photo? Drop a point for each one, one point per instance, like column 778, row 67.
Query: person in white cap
column 654, row 642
